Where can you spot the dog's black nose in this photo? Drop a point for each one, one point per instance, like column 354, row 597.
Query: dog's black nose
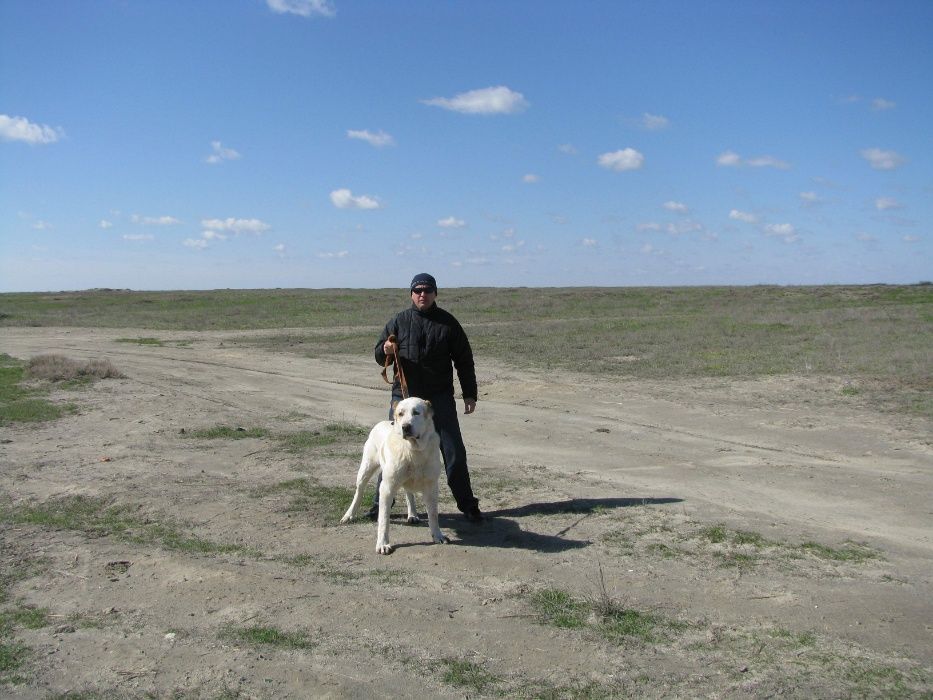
column 406, row 430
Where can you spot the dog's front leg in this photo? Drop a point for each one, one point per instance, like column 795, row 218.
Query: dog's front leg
column 386, row 495
column 430, row 503
column 413, row 518
column 368, row 467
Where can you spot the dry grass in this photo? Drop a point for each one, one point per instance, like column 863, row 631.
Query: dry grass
column 58, row 368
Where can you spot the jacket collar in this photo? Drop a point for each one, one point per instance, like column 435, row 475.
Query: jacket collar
column 428, row 312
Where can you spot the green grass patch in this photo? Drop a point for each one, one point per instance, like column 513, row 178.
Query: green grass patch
column 876, row 681
column 735, row 545
column 620, row 624
column 330, row 435
column 715, row 534
column 468, row 675
column 12, row 656
column 24, row 401
column 326, row 504
column 266, row 636
column 559, row 609
column 604, row 616
column 225, row 432
column 96, row 517
column 20, row 404
column 24, row 617
column 850, row 552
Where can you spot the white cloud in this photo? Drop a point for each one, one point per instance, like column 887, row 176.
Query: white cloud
column 879, row 104
column 344, row 199
column 237, row 226
column 530, row 178
column 648, row 226
column 682, row 227
column 137, row 236
column 731, row 159
column 451, row 222
column 303, row 8
column 589, row 242
column 196, row 243
column 865, row 237
column 155, row 220
column 280, row 248
column 568, row 149
column 331, row 256
column 768, row 162
column 882, row 160
column 885, row 203
column 743, row 216
column 810, row 198
column 911, row 239
column 492, row 100
column 625, row 159
column 380, row 139
column 211, row 235
column 104, row 224
column 221, row 154
column 728, row 159
column 646, row 249
column 21, row 129
column 787, row 232
column 654, row 122
column 677, row 207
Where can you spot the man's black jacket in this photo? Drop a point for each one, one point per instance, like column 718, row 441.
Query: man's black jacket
column 431, row 344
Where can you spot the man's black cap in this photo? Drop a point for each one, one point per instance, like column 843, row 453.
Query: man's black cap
column 423, row 280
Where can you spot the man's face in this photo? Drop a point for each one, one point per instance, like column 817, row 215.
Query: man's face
column 423, row 297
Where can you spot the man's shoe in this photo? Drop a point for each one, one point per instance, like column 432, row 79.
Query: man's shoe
column 373, row 514
column 474, row 515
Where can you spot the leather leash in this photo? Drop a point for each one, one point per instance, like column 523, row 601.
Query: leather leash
column 397, row 370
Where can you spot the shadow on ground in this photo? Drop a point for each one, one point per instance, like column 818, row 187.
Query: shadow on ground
column 500, row 530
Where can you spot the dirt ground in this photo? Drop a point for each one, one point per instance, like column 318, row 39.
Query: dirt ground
column 726, row 511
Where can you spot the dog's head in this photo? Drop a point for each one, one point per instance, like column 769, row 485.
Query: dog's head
column 414, row 418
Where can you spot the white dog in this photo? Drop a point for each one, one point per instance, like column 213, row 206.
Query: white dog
column 407, row 450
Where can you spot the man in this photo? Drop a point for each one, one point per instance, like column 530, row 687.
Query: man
column 430, row 344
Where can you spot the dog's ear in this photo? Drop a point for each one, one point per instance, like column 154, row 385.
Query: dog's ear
column 429, row 407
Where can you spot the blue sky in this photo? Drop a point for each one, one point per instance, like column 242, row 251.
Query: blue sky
column 165, row 144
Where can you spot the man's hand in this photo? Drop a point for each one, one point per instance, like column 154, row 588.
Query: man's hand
column 469, row 405
column 389, row 348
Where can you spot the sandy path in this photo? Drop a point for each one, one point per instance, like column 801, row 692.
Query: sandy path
column 862, row 475
column 784, row 458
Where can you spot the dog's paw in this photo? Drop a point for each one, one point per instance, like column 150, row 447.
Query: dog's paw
column 347, row 518
column 413, row 520
column 384, row 549
column 441, row 539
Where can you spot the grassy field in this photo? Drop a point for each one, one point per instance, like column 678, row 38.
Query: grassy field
column 876, row 339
